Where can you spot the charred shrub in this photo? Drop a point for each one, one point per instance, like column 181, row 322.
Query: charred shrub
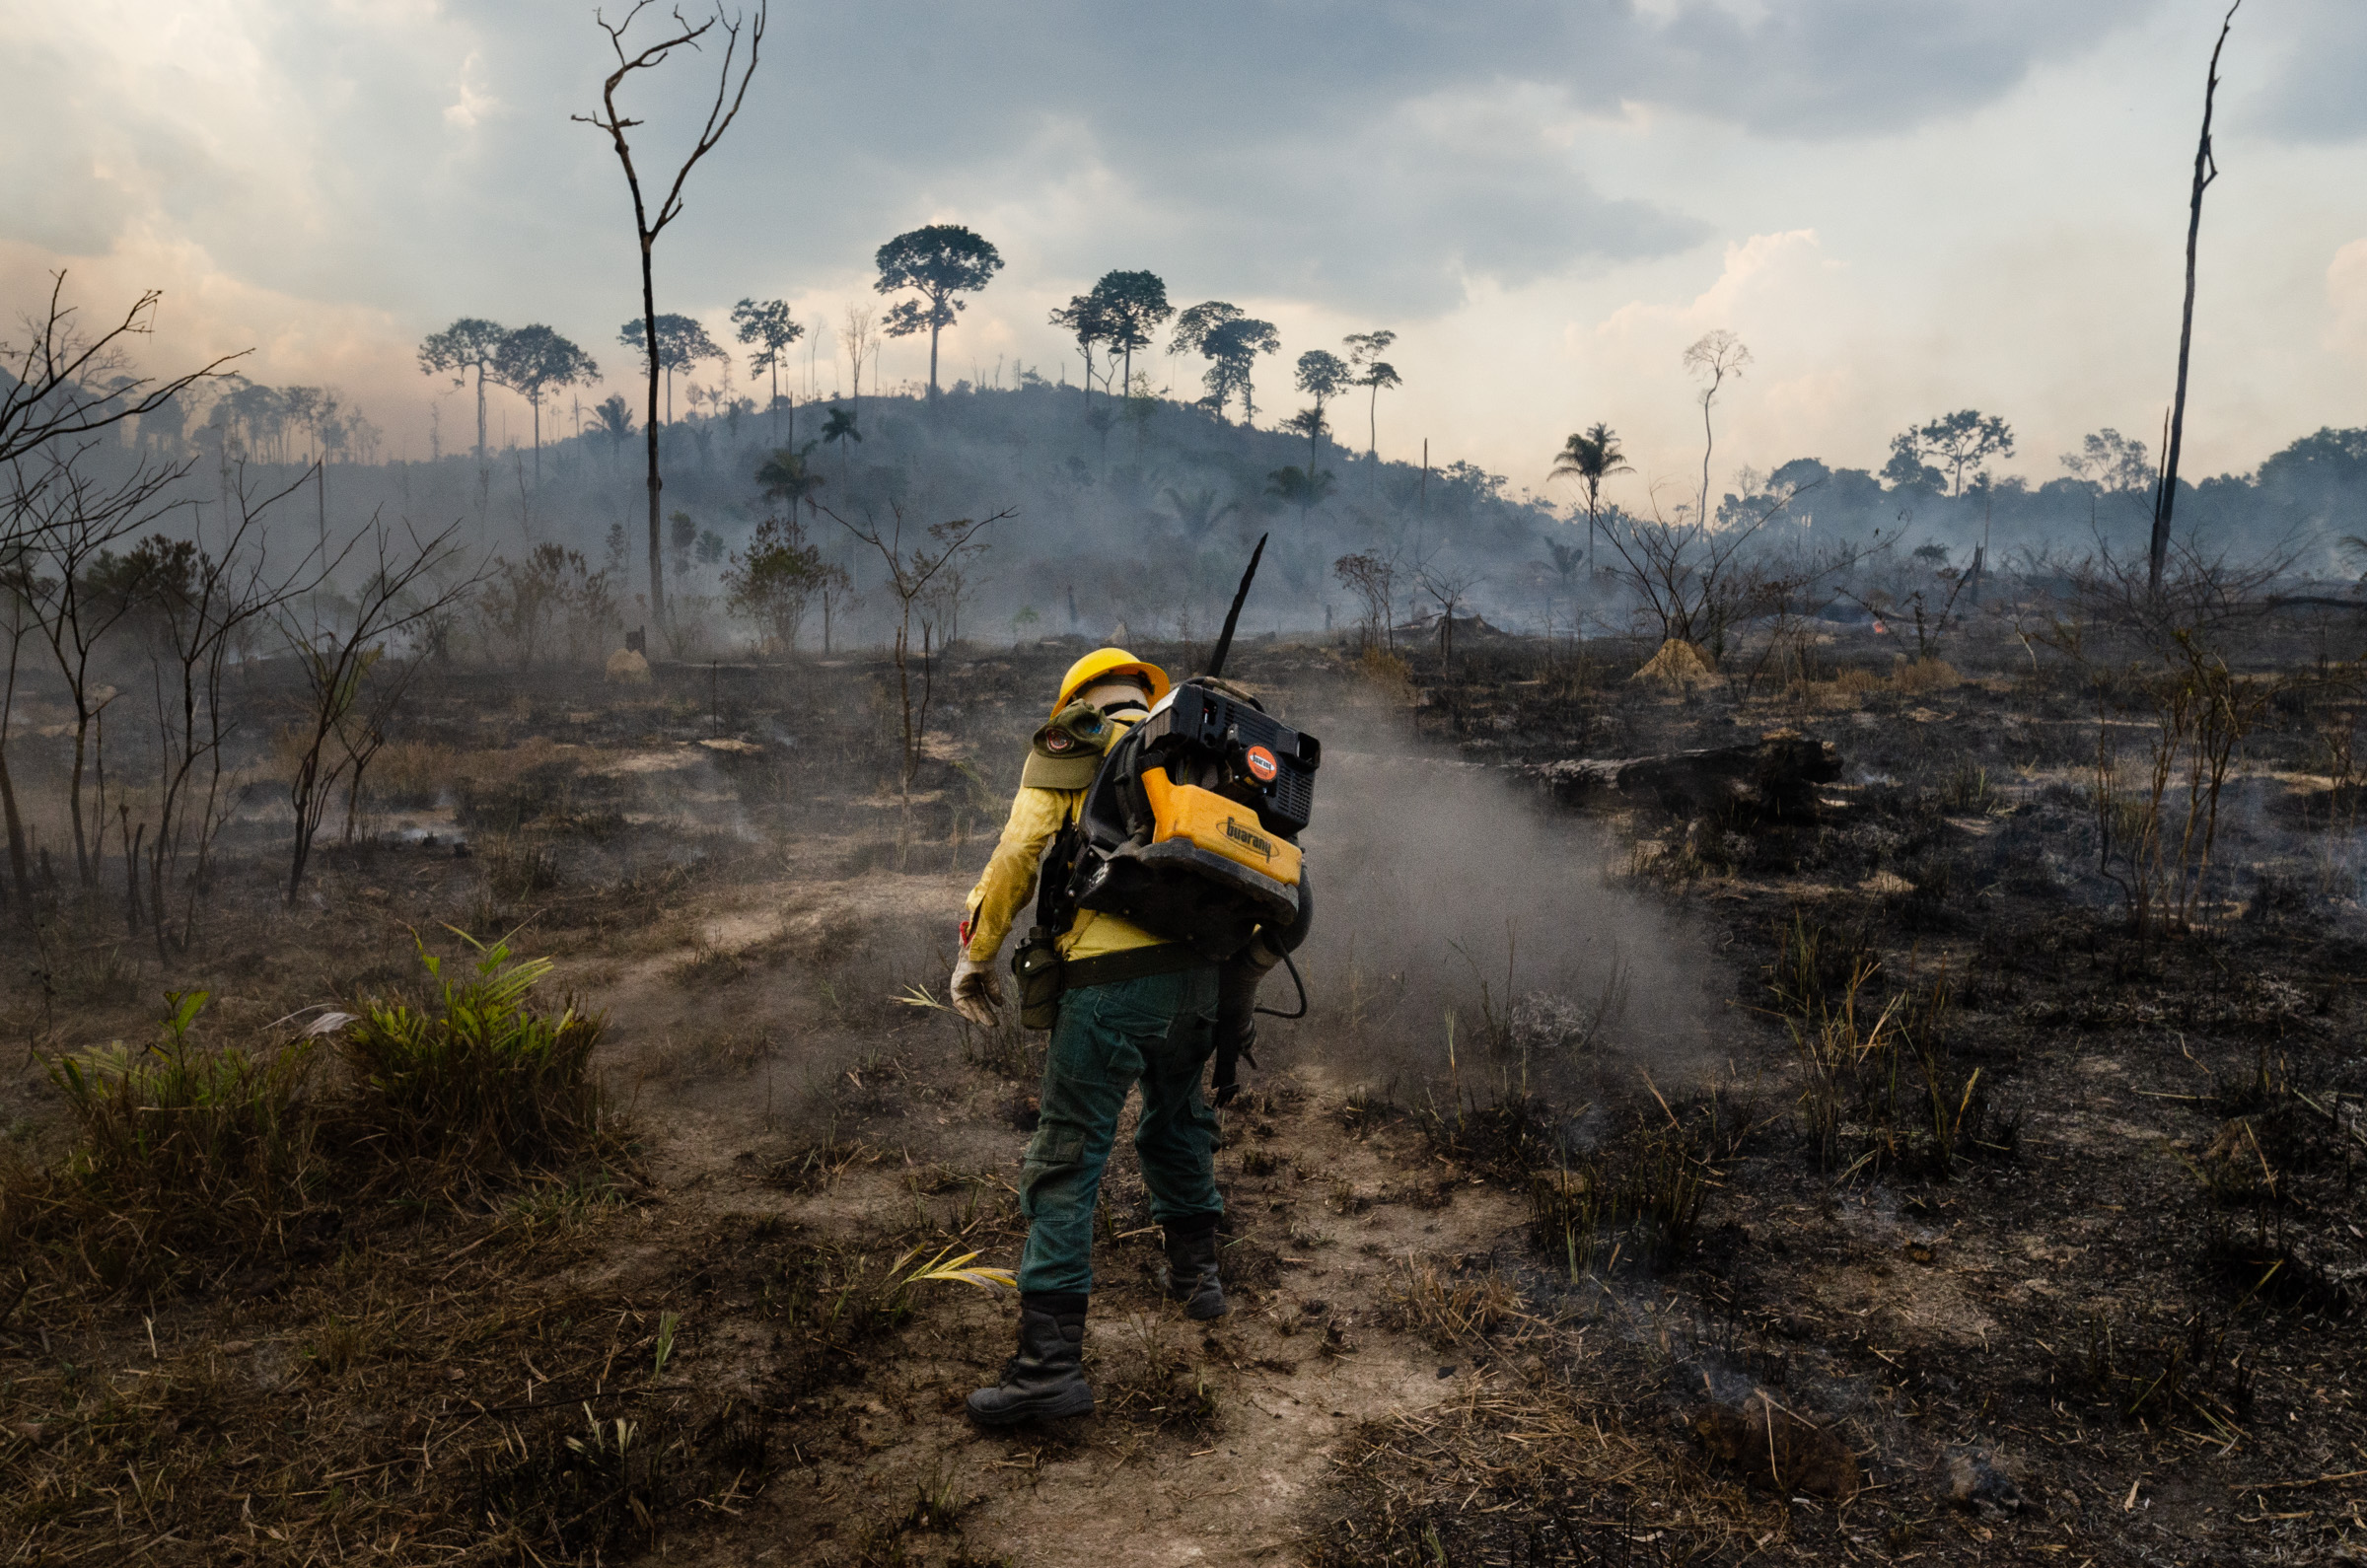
column 2157, row 1374
column 1640, row 1198
column 1881, row 1087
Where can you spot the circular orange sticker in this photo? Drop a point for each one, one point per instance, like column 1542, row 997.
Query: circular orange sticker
column 1261, row 764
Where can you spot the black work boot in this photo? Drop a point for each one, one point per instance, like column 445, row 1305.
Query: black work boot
column 1047, row 1377
column 1192, row 1266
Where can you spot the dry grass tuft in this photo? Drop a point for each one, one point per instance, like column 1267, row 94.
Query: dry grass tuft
column 190, row 1156
column 1449, row 1311
column 1918, row 676
column 1388, row 677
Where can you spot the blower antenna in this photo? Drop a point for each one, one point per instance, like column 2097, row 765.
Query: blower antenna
column 1224, row 644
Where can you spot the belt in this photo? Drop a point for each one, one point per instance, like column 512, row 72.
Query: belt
column 1129, row 963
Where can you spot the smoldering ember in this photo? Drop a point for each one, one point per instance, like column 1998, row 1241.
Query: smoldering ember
column 576, row 950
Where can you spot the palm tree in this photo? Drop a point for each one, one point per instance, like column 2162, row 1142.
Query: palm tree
column 787, row 476
column 838, row 428
column 1198, row 510
column 1591, row 456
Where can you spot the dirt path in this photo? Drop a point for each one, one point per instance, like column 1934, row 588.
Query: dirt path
column 1210, row 1441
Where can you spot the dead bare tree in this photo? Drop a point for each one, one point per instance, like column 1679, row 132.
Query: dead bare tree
column 1694, row 579
column 60, row 383
column 408, row 582
column 199, row 615
column 1714, row 358
column 17, row 620
column 1445, row 586
column 647, row 228
column 2206, row 169
column 1373, row 578
column 70, row 518
column 911, row 572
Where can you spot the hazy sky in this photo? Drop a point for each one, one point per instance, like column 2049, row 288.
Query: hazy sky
column 1903, row 206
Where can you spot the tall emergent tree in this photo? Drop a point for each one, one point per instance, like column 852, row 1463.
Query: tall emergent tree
column 534, row 361
column 768, row 330
column 1231, row 342
column 682, row 343
column 1134, row 307
column 1364, row 355
column 720, row 114
column 1715, row 358
column 470, row 344
column 1322, row 376
column 1191, row 338
column 1590, row 456
column 1083, row 318
column 941, row 262
column 2206, row 169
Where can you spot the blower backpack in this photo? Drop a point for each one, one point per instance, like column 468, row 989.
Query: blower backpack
column 1191, row 827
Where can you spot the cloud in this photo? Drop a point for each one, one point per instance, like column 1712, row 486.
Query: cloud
column 2346, row 292
column 2295, row 71
column 1317, row 148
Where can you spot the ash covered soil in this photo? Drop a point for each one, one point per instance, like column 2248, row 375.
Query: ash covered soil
column 1811, row 1160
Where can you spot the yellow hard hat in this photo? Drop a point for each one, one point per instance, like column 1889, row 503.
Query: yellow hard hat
column 1101, row 665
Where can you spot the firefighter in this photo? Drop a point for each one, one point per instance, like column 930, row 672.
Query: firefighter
column 1133, row 1009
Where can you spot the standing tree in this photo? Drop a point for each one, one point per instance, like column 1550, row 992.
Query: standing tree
column 1234, row 348
column 862, row 341
column 1590, row 456
column 776, row 580
column 910, row 575
column 788, row 476
column 1373, row 578
column 470, row 344
column 941, row 262
column 408, row 582
column 1191, row 338
column 532, row 362
column 63, row 520
column 1714, row 358
column 1322, row 376
column 2111, row 462
column 1963, row 439
column 837, row 429
column 645, row 227
column 1133, row 308
column 613, row 417
column 1364, row 354
column 1084, row 318
column 682, row 343
column 768, row 330
column 2206, row 169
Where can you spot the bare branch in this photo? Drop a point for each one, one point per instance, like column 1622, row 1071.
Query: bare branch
column 49, row 397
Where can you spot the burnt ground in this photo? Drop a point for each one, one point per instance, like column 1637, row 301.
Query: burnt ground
column 1968, row 1222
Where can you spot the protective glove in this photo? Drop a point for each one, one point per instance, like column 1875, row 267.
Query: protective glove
column 976, row 991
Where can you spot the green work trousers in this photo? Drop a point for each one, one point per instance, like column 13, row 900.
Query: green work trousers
column 1160, row 1032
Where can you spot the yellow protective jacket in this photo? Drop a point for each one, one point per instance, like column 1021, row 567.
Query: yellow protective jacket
column 1008, row 883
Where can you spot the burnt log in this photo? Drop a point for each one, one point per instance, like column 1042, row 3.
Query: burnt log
column 1774, row 779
